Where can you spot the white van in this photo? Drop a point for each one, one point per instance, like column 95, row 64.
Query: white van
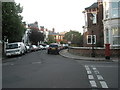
column 17, row 48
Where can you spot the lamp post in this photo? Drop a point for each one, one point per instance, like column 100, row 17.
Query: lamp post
column 93, row 40
column 93, row 53
column 4, row 45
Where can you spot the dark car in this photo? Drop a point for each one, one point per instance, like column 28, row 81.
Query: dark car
column 54, row 48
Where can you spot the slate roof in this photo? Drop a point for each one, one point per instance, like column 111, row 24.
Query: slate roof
column 53, row 33
column 94, row 5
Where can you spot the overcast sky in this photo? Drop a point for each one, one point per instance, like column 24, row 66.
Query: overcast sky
column 63, row 15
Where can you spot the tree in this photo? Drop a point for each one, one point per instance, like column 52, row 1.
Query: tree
column 75, row 37
column 12, row 25
column 51, row 39
column 36, row 36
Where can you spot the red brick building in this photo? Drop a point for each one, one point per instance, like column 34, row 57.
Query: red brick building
column 93, row 29
column 58, row 37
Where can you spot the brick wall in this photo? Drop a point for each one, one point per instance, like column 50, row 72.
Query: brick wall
column 99, row 52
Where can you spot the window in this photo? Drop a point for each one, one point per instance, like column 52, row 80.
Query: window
column 107, row 35
column 55, row 37
column 12, row 46
column 114, row 12
column 116, row 35
column 91, row 39
column 94, row 18
column 114, row 4
column 115, row 31
column 116, row 40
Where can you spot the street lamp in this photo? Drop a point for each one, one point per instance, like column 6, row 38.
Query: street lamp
column 93, row 53
column 4, row 45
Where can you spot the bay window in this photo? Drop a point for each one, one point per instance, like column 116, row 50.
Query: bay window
column 114, row 13
column 116, row 35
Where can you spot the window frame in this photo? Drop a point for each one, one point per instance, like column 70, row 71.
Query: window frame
column 91, row 40
column 114, row 35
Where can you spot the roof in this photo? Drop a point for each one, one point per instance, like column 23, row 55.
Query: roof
column 53, row 33
column 94, row 5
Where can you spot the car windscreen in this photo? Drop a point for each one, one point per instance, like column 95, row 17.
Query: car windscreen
column 53, row 46
column 11, row 46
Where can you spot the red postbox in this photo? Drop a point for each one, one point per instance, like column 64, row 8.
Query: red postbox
column 107, row 51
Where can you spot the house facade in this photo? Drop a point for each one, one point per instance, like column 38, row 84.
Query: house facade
column 58, row 37
column 25, row 38
column 93, row 29
column 111, row 22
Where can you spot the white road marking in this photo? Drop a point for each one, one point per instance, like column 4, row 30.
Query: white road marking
column 94, row 68
column 96, row 72
column 99, row 77
column 103, row 84
column 87, row 68
column 93, row 83
column 90, row 77
column 89, row 72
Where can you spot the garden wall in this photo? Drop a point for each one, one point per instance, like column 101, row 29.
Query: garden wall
column 99, row 52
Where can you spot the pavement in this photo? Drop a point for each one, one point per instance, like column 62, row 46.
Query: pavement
column 66, row 54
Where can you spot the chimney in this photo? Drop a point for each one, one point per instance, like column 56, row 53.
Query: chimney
column 99, row 2
column 53, row 30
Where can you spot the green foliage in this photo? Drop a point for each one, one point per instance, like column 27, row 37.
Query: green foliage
column 75, row 37
column 61, row 42
column 51, row 39
column 36, row 36
column 12, row 21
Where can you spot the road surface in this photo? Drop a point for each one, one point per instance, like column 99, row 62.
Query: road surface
column 41, row 70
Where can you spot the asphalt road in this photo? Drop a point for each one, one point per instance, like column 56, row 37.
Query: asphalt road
column 42, row 70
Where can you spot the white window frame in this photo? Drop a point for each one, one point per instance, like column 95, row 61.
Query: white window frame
column 91, row 39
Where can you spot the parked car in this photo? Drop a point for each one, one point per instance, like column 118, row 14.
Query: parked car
column 47, row 46
column 65, row 46
column 54, row 48
column 34, row 48
column 41, row 47
column 27, row 49
column 17, row 48
column 44, row 46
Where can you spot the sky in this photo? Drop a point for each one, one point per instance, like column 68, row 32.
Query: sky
column 63, row 15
